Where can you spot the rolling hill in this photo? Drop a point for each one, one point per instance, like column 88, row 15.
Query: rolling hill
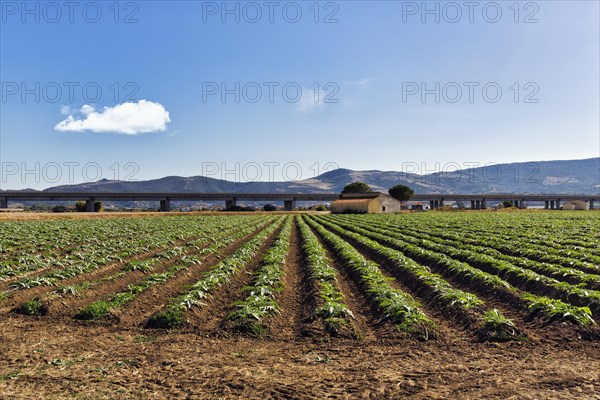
column 567, row 176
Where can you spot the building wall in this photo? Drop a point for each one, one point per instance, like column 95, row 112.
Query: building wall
column 374, row 206
column 381, row 204
column 575, row 205
column 357, row 207
column 391, row 205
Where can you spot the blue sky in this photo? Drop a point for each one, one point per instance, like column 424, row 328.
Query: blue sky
column 374, row 58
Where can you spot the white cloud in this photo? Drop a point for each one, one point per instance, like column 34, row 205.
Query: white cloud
column 127, row 118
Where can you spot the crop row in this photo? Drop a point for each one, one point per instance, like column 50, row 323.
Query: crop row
column 523, row 278
column 563, row 236
column 331, row 307
column 571, row 275
column 400, row 308
column 549, row 308
column 249, row 314
column 189, row 255
column 173, row 314
column 490, row 324
column 513, row 245
column 113, row 249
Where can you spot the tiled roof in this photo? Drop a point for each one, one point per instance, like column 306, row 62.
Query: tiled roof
column 352, row 201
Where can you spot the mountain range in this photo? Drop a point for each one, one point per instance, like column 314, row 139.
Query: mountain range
column 564, row 176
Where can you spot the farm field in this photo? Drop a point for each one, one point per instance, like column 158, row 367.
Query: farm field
column 431, row 305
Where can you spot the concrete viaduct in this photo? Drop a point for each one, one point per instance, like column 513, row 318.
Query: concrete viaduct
column 165, row 199
column 479, row 201
column 436, row 200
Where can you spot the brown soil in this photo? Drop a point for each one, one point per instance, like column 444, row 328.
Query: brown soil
column 57, row 358
column 209, row 318
column 446, row 327
column 367, row 322
column 154, row 299
column 28, row 216
column 68, row 361
column 294, row 309
column 102, row 271
column 511, row 306
column 63, row 306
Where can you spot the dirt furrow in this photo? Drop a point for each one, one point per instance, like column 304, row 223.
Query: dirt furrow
column 511, row 307
column 210, row 318
column 367, row 321
column 67, row 306
column 153, row 299
column 18, row 296
column 449, row 329
column 295, row 309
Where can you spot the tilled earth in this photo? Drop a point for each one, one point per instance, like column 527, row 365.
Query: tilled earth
column 71, row 360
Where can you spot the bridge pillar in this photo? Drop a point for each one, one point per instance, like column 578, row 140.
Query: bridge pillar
column 472, row 204
column 289, row 205
column 90, row 205
column 591, row 205
column 546, row 204
column 483, row 204
column 165, row 205
column 441, row 203
column 3, row 202
column 516, row 204
column 230, row 204
column 558, row 204
column 522, row 204
column 552, row 204
column 431, row 205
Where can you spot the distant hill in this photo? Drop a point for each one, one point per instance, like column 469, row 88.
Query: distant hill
column 567, row 177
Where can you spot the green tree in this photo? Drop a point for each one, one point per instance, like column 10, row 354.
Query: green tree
column 81, row 206
column 269, row 207
column 357, row 187
column 401, row 192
